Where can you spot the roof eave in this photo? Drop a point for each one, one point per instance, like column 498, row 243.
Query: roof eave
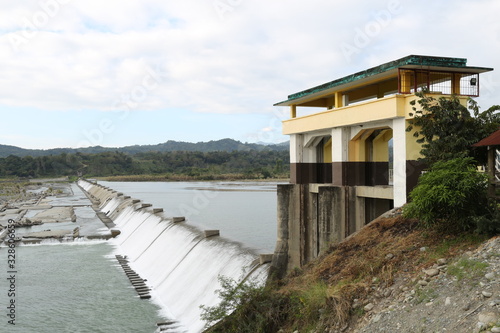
column 387, row 69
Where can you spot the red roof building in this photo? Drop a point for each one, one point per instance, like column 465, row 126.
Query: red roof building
column 492, row 140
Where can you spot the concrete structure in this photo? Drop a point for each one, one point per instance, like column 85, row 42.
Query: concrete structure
column 351, row 156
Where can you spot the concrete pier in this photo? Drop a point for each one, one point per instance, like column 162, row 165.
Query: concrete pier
column 211, row 233
column 312, row 217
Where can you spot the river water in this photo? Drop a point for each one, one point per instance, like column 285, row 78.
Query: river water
column 79, row 287
column 243, row 211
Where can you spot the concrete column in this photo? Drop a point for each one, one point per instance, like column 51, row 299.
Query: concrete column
column 287, row 254
column 345, row 100
column 399, row 149
column 296, row 148
column 338, row 99
column 340, row 143
column 405, row 81
column 340, row 154
column 359, row 210
column 331, row 216
column 455, row 83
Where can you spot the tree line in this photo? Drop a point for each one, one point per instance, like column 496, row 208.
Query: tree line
column 192, row 164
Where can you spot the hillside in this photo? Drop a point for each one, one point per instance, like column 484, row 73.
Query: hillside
column 228, row 145
column 391, row 276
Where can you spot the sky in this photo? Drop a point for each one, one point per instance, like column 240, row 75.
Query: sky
column 79, row 73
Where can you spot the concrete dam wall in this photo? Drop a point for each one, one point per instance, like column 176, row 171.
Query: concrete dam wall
column 181, row 264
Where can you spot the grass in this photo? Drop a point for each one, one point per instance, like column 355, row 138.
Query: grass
column 424, row 295
column 451, row 245
column 467, row 269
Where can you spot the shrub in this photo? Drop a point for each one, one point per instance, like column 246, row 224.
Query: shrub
column 450, row 196
column 489, row 224
column 246, row 308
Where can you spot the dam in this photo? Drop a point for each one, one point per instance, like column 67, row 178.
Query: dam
column 180, row 264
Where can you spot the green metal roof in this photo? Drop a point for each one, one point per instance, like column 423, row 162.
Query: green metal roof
column 411, row 61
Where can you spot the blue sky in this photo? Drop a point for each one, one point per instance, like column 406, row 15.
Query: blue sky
column 115, row 73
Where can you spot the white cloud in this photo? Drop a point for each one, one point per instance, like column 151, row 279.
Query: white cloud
column 91, row 54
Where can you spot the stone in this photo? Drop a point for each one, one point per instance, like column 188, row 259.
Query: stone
column 495, row 329
column 389, row 256
column 490, row 276
column 431, row 272
column 447, row 302
column 486, row 294
column 441, row 261
column 422, row 283
column 488, row 317
column 368, row 307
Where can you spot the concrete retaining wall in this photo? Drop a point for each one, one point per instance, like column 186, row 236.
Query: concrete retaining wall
column 312, row 217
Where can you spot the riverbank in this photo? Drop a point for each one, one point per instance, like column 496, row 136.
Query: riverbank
column 188, row 178
column 48, row 209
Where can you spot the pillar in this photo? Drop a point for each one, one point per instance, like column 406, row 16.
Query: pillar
column 399, row 163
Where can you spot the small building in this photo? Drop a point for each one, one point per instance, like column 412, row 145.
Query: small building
column 492, row 142
column 348, row 138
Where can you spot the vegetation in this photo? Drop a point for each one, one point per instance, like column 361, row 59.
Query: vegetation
column 447, row 129
column 252, row 308
column 452, row 195
column 177, row 165
column 449, row 196
column 467, row 268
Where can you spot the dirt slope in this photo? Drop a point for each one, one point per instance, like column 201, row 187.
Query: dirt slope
column 395, row 277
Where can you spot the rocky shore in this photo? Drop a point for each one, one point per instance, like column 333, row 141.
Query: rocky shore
column 49, row 210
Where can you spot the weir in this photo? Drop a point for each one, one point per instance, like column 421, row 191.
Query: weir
column 180, row 263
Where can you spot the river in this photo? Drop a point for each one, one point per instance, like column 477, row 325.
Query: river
column 79, row 287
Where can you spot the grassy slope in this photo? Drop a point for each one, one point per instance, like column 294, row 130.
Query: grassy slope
column 329, row 294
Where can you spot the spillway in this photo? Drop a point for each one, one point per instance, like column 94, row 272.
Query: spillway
column 180, row 263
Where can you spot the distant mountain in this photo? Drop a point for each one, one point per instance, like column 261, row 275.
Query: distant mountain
column 218, row 145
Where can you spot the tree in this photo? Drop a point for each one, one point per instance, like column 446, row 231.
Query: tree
column 450, row 196
column 447, row 129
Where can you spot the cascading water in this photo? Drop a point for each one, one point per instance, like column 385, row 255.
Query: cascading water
column 180, row 264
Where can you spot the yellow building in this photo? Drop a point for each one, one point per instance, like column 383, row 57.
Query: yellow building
column 351, row 157
column 355, row 135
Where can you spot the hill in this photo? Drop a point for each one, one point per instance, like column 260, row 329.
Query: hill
column 227, row 145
